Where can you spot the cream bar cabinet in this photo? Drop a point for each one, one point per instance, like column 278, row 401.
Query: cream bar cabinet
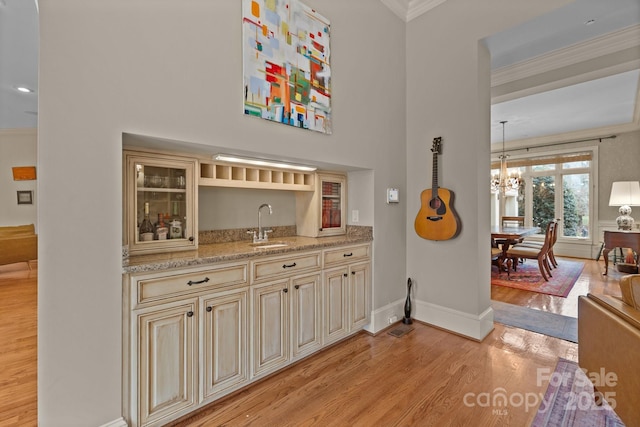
column 195, row 334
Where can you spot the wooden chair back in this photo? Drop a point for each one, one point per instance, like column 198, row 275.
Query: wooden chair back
column 516, row 252
column 513, row 220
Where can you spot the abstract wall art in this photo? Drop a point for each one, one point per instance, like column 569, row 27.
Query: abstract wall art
column 286, row 64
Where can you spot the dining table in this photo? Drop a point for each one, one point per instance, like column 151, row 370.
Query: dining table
column 510, row 235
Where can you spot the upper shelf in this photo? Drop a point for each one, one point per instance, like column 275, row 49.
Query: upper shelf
column 214, row 174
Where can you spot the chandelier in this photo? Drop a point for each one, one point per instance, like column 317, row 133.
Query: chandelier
column 504, row 181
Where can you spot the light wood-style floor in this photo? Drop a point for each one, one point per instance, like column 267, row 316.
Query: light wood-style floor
column 18, row 349
column 419, row 379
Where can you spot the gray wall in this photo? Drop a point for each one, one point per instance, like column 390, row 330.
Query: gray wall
column 174, row 70
column 18, row 147
column 221, row 208
column 618, row 160
column 448, row 95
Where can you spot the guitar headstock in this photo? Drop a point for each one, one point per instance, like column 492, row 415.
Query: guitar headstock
column 437, row 145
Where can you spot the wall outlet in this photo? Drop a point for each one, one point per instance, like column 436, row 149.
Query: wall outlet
column 355, row 216
column 393, row 319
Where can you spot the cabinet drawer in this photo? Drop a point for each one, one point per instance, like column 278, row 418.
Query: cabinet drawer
column 270, row 268
column 346, row 254
column 165, row 286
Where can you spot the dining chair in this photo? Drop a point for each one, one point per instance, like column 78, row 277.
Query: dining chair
column 511, row 221
column 497, row 256
column 517, row 221
column 538, row 244
column 540, row 254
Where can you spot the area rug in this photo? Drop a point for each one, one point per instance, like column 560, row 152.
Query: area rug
column 542, row 322
column 569, row 401
column 528, row 277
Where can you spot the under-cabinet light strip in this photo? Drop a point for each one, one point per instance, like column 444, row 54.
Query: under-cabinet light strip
column 258, row 162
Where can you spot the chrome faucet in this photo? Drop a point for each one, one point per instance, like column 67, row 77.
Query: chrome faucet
column 262, row 234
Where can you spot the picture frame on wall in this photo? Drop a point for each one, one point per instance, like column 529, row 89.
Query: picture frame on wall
column 287, row 64
column 25, row 197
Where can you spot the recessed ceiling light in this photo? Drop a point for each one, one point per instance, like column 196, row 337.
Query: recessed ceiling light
column 590, row 21
column 24, row 89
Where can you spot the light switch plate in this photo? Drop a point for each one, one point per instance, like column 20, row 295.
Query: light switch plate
column 393, row 195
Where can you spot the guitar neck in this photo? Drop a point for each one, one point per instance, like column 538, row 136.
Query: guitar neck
column 434, row 178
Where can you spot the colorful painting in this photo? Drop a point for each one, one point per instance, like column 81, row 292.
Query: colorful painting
column 286, row 64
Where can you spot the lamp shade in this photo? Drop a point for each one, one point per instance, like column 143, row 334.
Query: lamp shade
column 625, row 193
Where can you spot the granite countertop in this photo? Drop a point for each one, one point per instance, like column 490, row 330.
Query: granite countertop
column 233, row 251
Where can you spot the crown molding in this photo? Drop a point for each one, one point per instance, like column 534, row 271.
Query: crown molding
column 557, row 83
column 599, row 46
column 593, row 133
column 410, row 9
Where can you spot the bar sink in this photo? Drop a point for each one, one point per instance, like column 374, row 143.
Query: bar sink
column 268, row 245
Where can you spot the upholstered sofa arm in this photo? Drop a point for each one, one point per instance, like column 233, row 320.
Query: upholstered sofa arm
column 609, row 344
column 630, row 288
column 18, row 244
column 617, row 307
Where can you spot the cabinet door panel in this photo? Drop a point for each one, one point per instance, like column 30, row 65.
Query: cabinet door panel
column 270, row 329
column 359, row 293
column 167, row 344
column 167, row 185
column 224, row 338
column 336, row 308
column 306, row 316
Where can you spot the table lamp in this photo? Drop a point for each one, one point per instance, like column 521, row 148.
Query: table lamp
column 625, row 194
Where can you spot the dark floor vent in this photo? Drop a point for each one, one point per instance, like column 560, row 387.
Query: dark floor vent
column 400, row 330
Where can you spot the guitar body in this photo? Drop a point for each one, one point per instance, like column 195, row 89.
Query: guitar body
column 437, row 220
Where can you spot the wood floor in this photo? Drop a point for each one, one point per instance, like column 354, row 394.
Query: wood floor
column 18, row 349
column 419, row 379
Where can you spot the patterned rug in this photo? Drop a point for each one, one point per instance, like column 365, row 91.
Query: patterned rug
column 569, row 401
column 528, row 277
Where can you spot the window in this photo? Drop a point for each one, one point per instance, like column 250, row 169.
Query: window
column 553, row 186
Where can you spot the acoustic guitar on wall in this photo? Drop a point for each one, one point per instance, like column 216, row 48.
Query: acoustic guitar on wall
column 437, row 220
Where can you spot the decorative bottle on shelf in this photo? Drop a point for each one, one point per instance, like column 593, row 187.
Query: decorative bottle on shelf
column 175, row 225
column 146, row 228
column 161, row 228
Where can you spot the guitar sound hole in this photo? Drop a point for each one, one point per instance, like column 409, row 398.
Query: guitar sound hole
column 437, row 205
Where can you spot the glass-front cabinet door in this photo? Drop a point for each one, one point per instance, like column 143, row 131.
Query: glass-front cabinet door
column 159, row 203
column 322, row 212
column 332, row 189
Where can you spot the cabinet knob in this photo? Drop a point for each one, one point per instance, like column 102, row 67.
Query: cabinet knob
column 345, row 274
column 353, row 272
column 190, row 314
column 297, row 286
column 209, row 309
column 191, row 239
column 285, row 290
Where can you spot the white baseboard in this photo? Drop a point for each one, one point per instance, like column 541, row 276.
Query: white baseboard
column 380, row 317
column 120, row 422
column 476, row 327
column 461, row 323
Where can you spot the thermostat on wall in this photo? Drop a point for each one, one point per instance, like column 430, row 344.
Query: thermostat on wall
column 393, row 195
